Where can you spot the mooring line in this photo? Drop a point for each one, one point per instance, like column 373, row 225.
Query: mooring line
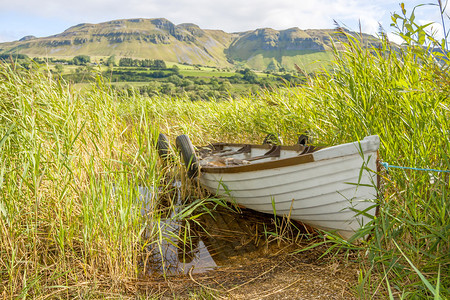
column 387, row 166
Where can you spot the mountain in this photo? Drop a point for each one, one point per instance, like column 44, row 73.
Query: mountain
column 159, row 38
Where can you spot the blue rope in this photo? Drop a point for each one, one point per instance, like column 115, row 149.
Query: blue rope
column 387, row 166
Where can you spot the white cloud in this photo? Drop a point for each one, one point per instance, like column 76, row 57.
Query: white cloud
column 395, row 38
column 231, row 15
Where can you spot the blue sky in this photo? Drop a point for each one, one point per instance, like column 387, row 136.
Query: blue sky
column 41, row 18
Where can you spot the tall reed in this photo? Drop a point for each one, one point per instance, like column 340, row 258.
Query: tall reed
column 393, row 93
column 70, row 162
column 400, row 93
column 70, row 217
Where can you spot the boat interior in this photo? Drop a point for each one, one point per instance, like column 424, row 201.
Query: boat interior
column 225, row 154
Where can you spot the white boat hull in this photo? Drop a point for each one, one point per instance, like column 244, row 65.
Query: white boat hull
column 325, row 193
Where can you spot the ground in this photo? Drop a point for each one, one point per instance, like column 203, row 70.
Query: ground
column 254, row 263
column 281, row 276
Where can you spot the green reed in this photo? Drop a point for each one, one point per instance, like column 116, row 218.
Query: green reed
column 70, row 163
column 72, row 219
column 393, row 93
column 399, row 93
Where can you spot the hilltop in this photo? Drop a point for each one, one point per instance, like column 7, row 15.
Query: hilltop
column 260, row 49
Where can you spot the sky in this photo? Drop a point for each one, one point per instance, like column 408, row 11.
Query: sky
column 40, row 18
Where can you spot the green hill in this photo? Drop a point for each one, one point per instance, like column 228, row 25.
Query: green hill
column 261, row 49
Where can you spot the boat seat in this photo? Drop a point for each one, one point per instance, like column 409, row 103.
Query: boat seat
column 308, row 149
column 275, row 151
column 244, row 149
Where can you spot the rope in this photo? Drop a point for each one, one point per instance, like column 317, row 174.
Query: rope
column 387, row 166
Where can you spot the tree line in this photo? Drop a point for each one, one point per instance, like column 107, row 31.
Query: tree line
column 154, row 64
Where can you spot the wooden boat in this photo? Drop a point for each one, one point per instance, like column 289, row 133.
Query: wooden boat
column 331, row 188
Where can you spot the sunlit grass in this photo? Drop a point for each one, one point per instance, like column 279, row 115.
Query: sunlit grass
column 64, row 221
column 392, row 92
column 70, row 165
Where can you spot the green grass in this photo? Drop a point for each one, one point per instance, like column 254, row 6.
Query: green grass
column 402, row 97
column 206, row 73
column 64, row 220
column 70, row 221
column 308, row 60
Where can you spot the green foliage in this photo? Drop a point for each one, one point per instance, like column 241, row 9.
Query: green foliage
column 249, row 76
column 159, row 64
column 13, row 57
column 21, row 60
column 111, row 61
column 70, row 162
column 155, row 64
column 68, row 198
column 400, row 94
column 414, row 34
column 59, row 68
column 81, row 60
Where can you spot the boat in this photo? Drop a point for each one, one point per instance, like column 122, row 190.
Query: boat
column 330, row 188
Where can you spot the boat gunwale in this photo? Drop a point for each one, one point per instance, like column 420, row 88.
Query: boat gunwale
column 306, row 154
column 257, row 166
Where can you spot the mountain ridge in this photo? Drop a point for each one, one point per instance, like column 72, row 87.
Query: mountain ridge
column 159, row 38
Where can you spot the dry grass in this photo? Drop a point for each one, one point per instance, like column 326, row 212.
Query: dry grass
column 70, row 162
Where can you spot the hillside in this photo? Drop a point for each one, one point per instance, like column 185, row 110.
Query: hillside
column 260, row 49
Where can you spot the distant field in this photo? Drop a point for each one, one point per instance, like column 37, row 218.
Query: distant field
column 206, row 73
column 151, row 78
